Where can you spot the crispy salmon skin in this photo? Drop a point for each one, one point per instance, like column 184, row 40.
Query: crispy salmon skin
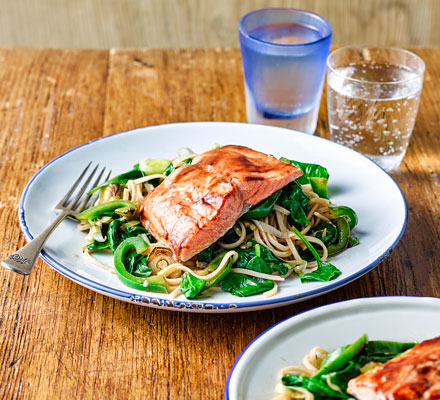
column 414, row 374
column 198, row 203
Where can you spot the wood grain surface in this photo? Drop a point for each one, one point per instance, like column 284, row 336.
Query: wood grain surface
column 61, row 341
column 205, row 23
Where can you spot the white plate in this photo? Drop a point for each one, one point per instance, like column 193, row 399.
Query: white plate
column 255, row 372
column 354, row 181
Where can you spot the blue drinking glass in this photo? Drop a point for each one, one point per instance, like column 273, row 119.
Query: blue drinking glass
column 284, row 53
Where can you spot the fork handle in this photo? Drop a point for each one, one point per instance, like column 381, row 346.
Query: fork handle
column 23, row 260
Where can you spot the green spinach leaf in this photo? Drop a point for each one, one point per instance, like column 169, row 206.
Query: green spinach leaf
column 257, row 258
column 246, row 255
column 206, row 255
column 314, row 174
column 341, row 377
column 136, row 264
column 191, row 286
column 243, row 285
column 296, row 201
column 134, row 231
column 383, row 347
column 324, row 273
column 314, row 385
column 263, row 208
column 326, row 231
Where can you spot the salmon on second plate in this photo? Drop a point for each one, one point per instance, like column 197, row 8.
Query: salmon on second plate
column 197, row 204
column 414, row 374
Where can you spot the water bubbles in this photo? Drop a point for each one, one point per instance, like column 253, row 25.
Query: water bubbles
column 370, row 121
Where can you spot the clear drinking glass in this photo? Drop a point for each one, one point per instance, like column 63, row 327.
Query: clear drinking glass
column 284, row 53
column 373, row 96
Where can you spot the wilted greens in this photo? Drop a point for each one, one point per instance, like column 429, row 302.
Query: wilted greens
column 256, row 258
column 345, row 363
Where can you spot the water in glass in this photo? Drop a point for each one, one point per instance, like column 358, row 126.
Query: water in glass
column 373, row 108
column 284, row 53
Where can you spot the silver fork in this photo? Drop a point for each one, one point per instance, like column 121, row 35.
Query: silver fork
column 23, row 260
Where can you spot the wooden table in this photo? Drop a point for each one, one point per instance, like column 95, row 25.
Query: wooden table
column 59, row 340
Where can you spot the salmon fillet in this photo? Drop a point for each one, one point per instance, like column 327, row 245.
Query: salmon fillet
column 197, row 204
column 191, row 209
column 414, row 374
column 256, row 174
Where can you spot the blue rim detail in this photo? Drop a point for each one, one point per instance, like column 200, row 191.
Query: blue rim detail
column 382, row 298
column 188, row 304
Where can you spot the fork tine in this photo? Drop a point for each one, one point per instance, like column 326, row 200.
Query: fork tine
column 71, row 190
column 91, row 198
column 73, row 203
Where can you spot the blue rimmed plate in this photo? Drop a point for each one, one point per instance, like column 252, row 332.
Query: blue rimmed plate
column 354, row 181
column 255, row 373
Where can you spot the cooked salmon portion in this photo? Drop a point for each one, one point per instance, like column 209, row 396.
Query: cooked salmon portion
column 414, row 374
column 191, row 209
column 197, row 204
column 256, row 174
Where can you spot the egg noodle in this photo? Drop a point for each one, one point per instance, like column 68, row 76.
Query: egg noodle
column 273, row 231
column 310, row 366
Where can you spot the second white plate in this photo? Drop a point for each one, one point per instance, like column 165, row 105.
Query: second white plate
column 407, row 319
